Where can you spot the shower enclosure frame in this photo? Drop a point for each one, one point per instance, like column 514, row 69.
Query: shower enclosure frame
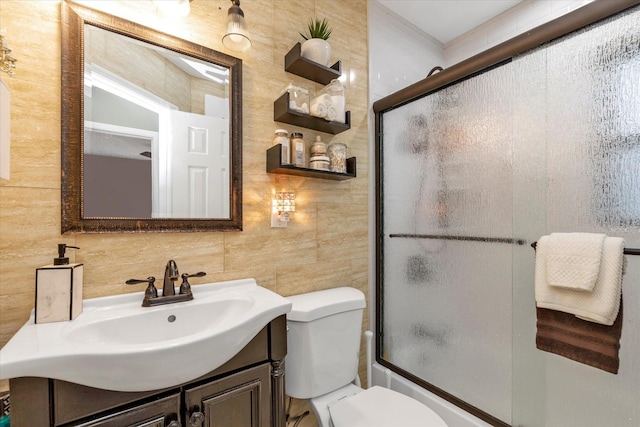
column 502, row 53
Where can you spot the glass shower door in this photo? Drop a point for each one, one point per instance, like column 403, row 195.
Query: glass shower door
column 447, row 240
column 473, row 173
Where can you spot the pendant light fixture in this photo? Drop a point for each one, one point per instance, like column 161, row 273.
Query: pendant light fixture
column 237, row 37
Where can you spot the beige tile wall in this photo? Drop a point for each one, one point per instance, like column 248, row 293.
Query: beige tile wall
column 324, row 246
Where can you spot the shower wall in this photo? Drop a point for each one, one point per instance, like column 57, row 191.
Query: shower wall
column 519, row 19
column 390, row 68
column 547, row 142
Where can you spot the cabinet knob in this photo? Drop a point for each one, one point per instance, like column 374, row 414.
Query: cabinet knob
column 196, row 419
column 174, row 423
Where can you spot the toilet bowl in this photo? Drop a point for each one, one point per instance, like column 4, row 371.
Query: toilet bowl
column 323, row 343
column 376, row 406
column 381, row 407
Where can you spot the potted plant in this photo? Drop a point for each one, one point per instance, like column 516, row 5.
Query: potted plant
column 316, row 47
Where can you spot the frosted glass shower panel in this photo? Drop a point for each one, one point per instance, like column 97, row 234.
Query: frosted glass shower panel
column 597, row 135
column 446, row 192
column 592, row 133
column 442, row 154
column 472, row 173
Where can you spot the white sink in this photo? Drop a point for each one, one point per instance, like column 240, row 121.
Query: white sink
column 116, row 344
column 144, row 327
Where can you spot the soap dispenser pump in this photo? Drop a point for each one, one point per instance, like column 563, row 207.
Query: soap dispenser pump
column 62, row 248
column 59, row 289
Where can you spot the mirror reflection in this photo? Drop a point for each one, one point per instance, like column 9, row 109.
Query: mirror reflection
column 156, row 134
column 151, row 129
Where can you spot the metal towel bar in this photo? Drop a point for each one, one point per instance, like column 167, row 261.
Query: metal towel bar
column 465, row 238
column 627, row 251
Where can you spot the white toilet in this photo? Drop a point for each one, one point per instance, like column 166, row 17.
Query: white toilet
column 323, row 343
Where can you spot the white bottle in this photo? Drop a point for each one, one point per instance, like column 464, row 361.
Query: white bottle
column 298, row 150
column 282, row 137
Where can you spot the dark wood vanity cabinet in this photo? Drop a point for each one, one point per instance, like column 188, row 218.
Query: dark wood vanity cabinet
column 247, row 391
column 159, row 413
column 242, row 399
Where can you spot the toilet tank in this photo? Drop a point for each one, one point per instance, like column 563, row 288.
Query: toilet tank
column 323, row 341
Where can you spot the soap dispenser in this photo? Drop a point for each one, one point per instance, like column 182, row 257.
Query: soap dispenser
column 59, row 289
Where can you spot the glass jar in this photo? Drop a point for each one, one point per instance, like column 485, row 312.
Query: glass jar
column 319, row 163
column 337, row 153
column 336, row 91
column 318, row 148
column 298, row 150
column 282, row 137
column 298, row 98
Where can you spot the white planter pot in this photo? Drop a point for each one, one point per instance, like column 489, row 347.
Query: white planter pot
column 317, row 50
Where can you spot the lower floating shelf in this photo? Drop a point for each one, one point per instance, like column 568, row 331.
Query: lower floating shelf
column 274, row 165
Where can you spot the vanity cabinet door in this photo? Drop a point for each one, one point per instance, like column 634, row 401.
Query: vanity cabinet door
column 239, row 400
column 159, row 413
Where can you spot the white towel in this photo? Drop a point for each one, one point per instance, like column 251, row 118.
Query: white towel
column 600, row 305
column 573, row 260
column 294, row 107
column 318, row 110
column 331, row 114
column 320, row 105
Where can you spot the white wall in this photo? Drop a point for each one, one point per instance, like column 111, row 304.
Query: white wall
column 515, row 21
column 399, row 53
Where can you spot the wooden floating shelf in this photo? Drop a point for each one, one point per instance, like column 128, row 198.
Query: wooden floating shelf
column 282, row 113
column 296, row 64
column 274, row 165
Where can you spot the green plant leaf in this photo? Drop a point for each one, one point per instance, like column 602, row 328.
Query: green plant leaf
column 317, row 29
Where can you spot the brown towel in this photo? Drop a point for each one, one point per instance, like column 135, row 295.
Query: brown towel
column 586, row 342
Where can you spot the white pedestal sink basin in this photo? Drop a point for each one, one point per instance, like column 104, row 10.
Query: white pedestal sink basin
column 116, row 344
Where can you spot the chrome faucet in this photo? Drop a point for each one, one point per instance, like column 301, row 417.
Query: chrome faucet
column 170, row 275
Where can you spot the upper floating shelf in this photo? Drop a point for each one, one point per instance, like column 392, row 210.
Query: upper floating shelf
column 296, row 64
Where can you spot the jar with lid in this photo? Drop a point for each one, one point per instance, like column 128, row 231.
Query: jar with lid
column 298, row 98
column 337, row 154
column 336, row 91
column 319, row 162
column 282, row 137
column 318, row 148
column 298, row 150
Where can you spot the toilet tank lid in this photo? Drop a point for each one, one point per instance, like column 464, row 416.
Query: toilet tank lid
column 315, row 305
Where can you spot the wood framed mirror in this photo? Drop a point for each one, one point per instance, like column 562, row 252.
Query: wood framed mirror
column 151, row 129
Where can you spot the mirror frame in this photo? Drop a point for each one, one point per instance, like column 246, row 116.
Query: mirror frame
column 74, row 18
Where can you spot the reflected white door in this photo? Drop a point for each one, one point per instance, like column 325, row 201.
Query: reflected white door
column 198, row 166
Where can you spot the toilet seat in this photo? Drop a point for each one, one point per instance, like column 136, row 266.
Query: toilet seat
column 381, row 407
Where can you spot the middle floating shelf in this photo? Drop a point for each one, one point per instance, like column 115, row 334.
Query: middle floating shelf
column 282, row 113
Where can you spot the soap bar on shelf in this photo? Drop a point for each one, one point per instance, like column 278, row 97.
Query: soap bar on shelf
column 58, row 292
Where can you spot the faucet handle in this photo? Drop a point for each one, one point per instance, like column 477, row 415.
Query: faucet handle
column 185, row 287
column 199, row 274
column 151, row 291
